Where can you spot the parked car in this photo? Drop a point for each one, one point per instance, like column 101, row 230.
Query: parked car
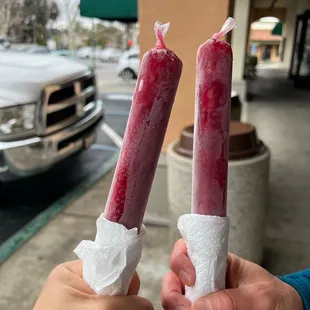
column 64, row 53
column 30, row 48
column 110, row 54
column 38, row 50
column 128, row 65
column 48, row 111
column 87, row 52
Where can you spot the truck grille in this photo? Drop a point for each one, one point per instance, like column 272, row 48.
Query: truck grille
column 61, row 94
column 64, row 104
column 61, row 115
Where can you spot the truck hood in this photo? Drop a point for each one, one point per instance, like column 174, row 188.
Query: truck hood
column 23, row 76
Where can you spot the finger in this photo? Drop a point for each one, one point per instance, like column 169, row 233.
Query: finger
column 75, row 266
column 71, row 275
column 76, row 269
column 242, row 272
column 122, row 303
column 181, row 265
column 233, row 271
column 134, row 285
column 231, row 299
column 179, row 248
column 171, row 293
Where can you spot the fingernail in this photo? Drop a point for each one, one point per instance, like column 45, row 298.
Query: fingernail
column 181, row 308
column 203, row 305
column 185, row 277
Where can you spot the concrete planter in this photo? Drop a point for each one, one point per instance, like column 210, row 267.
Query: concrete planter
column 179, row 174
column 247, row 200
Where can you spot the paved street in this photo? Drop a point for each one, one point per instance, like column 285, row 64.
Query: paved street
column 107, row 79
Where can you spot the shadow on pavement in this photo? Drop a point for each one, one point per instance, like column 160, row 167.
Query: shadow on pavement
column 273, row 85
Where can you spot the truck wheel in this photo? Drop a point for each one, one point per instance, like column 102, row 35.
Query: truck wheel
column 128, row 75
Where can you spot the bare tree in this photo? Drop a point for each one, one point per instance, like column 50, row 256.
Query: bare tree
column 71, row 11
column 8, row 14
column 36, row 17
column 5, row 15
column 26, row 20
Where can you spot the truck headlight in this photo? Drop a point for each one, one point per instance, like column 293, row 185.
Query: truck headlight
column 17, row 119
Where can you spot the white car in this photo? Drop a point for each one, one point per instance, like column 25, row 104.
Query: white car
column 110, row 54
column 30, row 48
column 88, row 52
column 128, row 65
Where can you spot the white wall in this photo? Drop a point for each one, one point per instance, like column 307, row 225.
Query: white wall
column 263, row 26
column 239, row 37
column 288, row 34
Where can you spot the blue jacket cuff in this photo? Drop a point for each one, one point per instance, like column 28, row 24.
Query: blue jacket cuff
column 301, row 282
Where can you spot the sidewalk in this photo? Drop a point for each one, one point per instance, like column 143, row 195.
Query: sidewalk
column 24, row 273
column 281, row 115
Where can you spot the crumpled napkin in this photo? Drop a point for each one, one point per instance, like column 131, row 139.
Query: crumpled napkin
column 110, row 261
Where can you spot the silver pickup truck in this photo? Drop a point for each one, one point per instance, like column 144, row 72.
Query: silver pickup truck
column 48, row 111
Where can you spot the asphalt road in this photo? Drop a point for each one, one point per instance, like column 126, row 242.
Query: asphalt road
column 23, row 199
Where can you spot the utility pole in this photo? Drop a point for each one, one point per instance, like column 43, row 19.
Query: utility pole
column 94, row 45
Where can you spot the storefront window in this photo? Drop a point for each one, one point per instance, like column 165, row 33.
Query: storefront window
column 305, row 64
column 300, row 67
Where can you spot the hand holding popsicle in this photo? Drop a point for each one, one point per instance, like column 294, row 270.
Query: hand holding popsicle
column 119, row 230
column 206, row 229
column 249, row 287
column 111, row 260
column 65, row 289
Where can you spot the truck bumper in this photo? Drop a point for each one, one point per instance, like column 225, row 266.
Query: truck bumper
column 34, row 155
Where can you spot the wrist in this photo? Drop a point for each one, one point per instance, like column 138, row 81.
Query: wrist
column 289, row 298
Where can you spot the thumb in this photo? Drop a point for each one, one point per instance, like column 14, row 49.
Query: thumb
column 232, row 299
column 121, row 303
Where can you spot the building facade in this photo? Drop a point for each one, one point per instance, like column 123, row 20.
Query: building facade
column 193, row 22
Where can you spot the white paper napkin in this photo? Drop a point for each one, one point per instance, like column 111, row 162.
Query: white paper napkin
column 110, row 261
column 207, row 245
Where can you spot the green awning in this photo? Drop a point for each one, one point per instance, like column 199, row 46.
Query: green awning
column 119, row 10
column 277, row 30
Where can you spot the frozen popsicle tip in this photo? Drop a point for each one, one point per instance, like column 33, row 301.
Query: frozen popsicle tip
column 229, row 25
column 160, row 32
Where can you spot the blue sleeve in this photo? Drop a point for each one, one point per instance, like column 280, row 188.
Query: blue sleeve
column 301, row 282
